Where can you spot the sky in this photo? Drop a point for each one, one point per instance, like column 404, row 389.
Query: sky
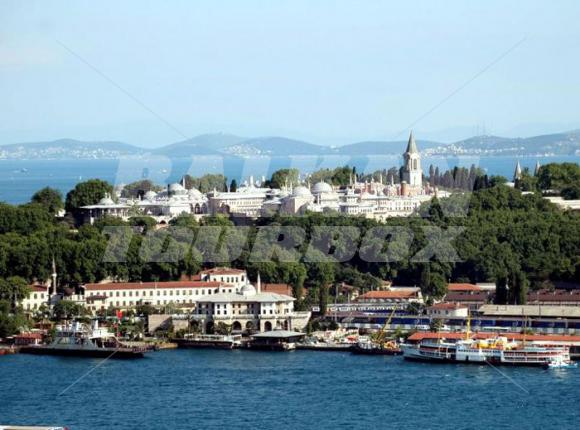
column 329, row 72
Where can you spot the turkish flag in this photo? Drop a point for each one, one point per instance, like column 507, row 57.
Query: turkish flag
column 119, row 314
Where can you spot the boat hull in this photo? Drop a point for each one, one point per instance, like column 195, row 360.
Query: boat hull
column 376, row 351
column 204, row 344
column 116, row 353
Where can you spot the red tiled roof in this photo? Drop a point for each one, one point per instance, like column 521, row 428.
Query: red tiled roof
column 277, row 288
column 29, row 336
column 388, row 295
column 38, row 288
column 554, row 296
column 463, row 287
column 223, row 271
column 466, row 297
column 149, row 285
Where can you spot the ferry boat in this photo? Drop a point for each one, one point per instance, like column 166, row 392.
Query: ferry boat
column 80, row 340
column 497, row 351
column 209, row 341
column 501, row 351
column 440, row 352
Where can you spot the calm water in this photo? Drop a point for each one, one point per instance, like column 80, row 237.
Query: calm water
column 20, row 179
column 186, row 389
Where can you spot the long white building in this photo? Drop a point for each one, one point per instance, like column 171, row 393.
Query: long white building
column 374, row 199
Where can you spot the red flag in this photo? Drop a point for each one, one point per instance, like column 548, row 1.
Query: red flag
column 119, row 314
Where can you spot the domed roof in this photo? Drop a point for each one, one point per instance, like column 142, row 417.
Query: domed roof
column 176, row 187
column 150, row 195
column 194, row 192
column 321, row 187
column 301, row 191
column 106, row 201
column 248, row 290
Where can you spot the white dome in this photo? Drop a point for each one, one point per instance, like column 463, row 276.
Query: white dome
column 150, row 195
column 321, row 187
column 174, row 188
column 248, row 290
column 301, row 191
column 106, row 201
column 194, row 192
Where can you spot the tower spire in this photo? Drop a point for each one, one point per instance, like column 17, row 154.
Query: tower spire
column 412, row 145
column 518, row 171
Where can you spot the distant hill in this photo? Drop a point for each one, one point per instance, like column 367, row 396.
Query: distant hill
column 382, row 147
column 204, row 144
column 68, row 148
column 229, row 145
column 275, row 146
column 567, row 143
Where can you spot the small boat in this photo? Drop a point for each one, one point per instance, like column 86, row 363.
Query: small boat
column 80, row 340
column 561, row 363
column 209, row 341
column 369, row 347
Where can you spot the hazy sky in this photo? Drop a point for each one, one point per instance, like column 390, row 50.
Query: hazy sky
column 326, row 71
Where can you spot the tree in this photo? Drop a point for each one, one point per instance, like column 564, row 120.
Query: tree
column 283, row 177
column 49, row 198
column 233, row 186
column 13, row 290
column 87, row 193
column 139, row 188
column 67, row 309
column 556, row 176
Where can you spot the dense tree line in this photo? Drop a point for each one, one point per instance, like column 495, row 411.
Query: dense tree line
column 518, row 240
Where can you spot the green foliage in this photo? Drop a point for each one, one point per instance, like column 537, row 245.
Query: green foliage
column 11, row 321
column 340, row 176
column 283, row 177
column 66, row 310
column 557, row 176
column 206, row 183
column 139, row 188
column 571, row 191
column 49, row 198
column 87, row 193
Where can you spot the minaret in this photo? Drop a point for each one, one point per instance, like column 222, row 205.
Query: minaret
column 412, row 172
column 53, row 276
column 258, row 284
column 518, row 171
column 537, row 168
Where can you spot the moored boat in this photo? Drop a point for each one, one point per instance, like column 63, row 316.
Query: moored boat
column 369, row 347
column 209, row 341
column 80, row 340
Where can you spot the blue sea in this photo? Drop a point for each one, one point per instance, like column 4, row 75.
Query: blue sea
column 210, row 389
column 20, row 179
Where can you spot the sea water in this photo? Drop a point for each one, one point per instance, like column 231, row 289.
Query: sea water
column 20, row 179
column 239, row 389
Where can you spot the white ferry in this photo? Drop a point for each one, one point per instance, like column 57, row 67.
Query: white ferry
column 80, row 340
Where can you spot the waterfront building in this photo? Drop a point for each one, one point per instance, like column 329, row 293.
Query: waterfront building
column 127, row 295
column 250, row 308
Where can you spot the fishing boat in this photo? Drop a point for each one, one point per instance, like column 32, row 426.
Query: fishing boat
column 80, row 340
